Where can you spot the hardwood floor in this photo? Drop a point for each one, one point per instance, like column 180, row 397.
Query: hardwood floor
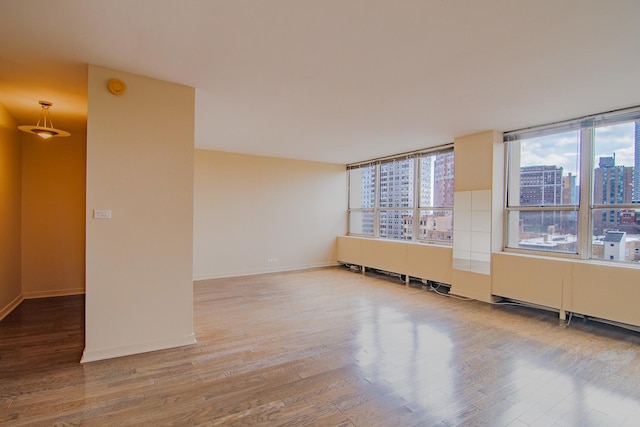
column 327, row 347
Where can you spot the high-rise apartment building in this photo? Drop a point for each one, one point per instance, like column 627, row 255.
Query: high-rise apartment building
column 368, row 187
column 396, row 204
column 569, row 190
column 541, row 185
column 368, row 198
column 426, row 194
column 611, row 185
column 443, row 180
column 396, row 191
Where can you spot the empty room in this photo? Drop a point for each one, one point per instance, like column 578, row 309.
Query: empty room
column 323, row 213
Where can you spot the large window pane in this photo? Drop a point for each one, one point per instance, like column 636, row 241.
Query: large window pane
column 616, row 244
column 545, row 171
column 386, row 197
column 361, row 222
column 615, row 178
column 396, row 184
column 436, row 226
column 436, row 180
column 544, row 194
column 396, row 224
column 543, row 230
column 616, row 230
column 362, row 187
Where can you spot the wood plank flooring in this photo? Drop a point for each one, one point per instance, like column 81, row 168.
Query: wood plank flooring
column 326, row 347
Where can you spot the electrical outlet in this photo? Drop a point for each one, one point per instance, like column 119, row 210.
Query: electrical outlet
column 272, row 260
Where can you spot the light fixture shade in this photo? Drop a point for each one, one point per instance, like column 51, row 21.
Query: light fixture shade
column 45, row 131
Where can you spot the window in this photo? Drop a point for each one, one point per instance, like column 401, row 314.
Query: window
column 543, row 193
column 395, row 214
column 616, row 188
column 436, row 197
column 386, row 197
column 362, row 184
column 574, row 187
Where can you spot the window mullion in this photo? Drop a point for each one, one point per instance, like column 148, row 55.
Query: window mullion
column 376, row 202
column 586, row 195
column 417, row 176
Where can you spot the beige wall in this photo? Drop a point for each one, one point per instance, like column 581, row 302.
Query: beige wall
column 42, row 194
column 474, row 160
column 477, row 229
column 605, row 291
column 428, row 262
column 10, row 217
column 251, row 209
column 53, row 223
column 139, row 290
column 593, row 288
column 537, row 280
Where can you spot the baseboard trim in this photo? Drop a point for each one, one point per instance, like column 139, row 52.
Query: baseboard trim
column 56, row 293
column 109, row 353
column 230, row 275
column 4, row 312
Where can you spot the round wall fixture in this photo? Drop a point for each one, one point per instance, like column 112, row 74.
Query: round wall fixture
column 117, row 87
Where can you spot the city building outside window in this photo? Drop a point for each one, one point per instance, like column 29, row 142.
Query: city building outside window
column 362, row 192
column 574, row 187
column 406, row 198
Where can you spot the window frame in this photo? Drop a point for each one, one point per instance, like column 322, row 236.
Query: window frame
column 351, row 209
column 416, row 204
column 514, row 179
column 433, row 208
column 585, row 208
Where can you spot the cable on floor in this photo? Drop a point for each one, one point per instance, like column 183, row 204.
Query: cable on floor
column 432, row 288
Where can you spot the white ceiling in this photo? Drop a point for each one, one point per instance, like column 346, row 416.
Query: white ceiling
column 331, row 80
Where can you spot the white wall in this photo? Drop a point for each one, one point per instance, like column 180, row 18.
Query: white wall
column 139, row 289
column 251, row 209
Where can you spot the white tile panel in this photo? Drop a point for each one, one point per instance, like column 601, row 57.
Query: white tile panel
column 461, row 254
column 480, row 200
column 480, row 242
column 462, row 241
column 481, row 221
column 462, row 221
column 480, row 256
column 462, row 200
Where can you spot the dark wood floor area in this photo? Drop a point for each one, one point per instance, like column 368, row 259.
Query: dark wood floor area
column 327, row 347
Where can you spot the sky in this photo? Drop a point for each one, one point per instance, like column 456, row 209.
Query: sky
column 563, row 149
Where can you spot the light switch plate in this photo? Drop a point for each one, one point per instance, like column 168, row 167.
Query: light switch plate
column 102, row 213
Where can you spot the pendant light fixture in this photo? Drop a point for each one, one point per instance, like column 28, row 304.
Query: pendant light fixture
column 47, row 130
